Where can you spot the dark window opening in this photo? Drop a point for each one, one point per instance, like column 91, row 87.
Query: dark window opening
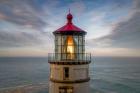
column 66, row 89
column 66, row 72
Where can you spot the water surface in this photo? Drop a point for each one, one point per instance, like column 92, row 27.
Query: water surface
column 108, row 75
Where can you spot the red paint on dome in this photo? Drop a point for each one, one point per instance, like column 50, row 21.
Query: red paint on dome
column 69, row 26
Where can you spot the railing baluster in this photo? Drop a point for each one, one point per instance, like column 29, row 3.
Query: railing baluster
column 53, row 57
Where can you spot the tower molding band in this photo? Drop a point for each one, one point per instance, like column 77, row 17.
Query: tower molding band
column 70, row 63
column 68, row 81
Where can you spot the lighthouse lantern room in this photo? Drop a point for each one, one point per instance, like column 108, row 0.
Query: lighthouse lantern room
column 69, row 65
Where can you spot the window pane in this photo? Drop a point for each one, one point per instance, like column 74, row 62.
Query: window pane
column 80, row 49
column 66, row 72
column 63, row 40
column 69, row 91
column 80, row 40
column 56, row 49
column 65, row 89
column 56, row 40
column 75, row 39
column 59, row 40
column 59, row 49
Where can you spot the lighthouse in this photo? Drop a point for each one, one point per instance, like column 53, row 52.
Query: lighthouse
column 69, row 64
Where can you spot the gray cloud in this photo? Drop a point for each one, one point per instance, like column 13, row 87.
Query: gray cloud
column 22, row 12
column 24, row 39
column 30, row 21
column 126, row 34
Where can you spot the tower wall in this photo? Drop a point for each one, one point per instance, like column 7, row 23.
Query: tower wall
column 78, row 78
column 77, row 87
column 76, row 72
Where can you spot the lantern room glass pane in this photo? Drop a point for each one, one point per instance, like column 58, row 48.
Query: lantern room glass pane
column 56, row 44
column 59, row 40
column 80, row 49
column 75, row 39
column 69, row 47
column 80, row 40
column 63, row 39
column 58, row 47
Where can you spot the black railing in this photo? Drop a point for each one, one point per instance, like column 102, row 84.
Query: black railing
column 77, row 57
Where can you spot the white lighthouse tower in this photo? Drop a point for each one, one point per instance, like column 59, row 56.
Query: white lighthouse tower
column 69, row 65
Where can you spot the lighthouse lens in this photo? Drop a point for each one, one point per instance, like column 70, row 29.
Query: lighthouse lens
column 70, row 47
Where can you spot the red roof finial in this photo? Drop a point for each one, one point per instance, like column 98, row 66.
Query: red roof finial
column 69, row 17
column 69, row 27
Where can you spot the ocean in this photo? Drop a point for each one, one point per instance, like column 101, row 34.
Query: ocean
column 108, row 75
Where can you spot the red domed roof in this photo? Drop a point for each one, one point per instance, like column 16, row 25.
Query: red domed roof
column 69, row 26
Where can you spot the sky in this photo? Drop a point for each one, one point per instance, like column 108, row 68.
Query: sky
column 112, row 26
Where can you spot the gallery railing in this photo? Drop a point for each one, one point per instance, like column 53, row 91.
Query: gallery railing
column 77, row 57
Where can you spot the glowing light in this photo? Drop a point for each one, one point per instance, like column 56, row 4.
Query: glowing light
column 70, row 47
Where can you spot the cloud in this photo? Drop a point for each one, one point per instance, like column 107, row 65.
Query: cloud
column 24, row 39
column 23, row 23
column 125, row 34
column 77, row 7
column 23, row 13
column 137, row 5
column 119, row 52
column 2, row 16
